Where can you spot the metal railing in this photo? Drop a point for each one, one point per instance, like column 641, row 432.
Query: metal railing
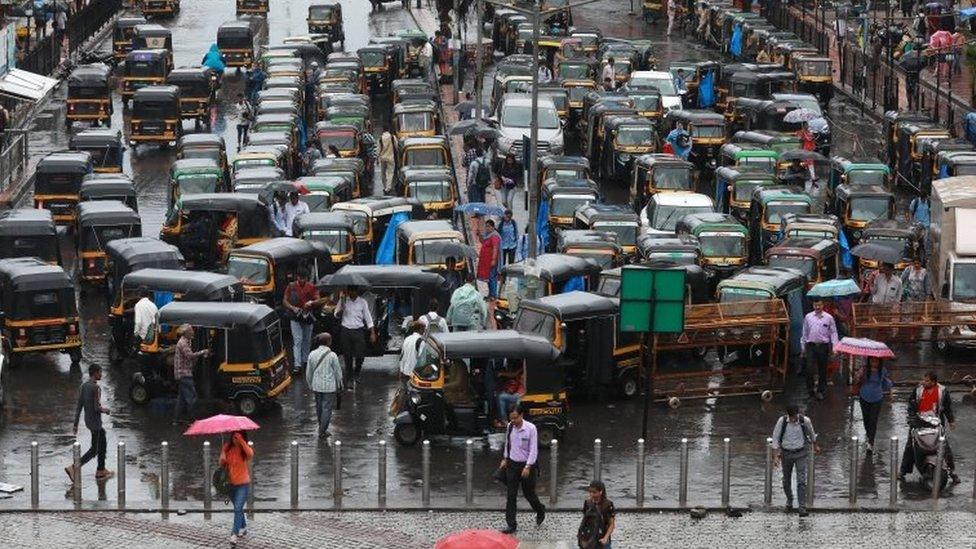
column 13, row 156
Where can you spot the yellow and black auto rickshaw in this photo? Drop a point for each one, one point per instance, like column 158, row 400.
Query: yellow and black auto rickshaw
column 27, row 232
column 206, row 227
column 198, row 89
column 113, row 186
column 334, row 230
column 125, row 27
column 144, row 68
column 100, row 222
column 327, row 19
column 381, row 62
column 253, row 7
column 659, row 172
column 57, row 183
column 611, row 218
column 267, row 268
column 371, row 216
column 817, row 258
column 235, row 40
column 160, row 8
column 105, row 147
column 156, row 116
column 40, row 313
column 434, row 187
column 89, row 95
column 428, row 243
column 152, row 37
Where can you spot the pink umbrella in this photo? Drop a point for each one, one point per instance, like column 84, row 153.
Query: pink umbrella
column 477, row 539
column 862, row 346
column 940, row 39
column 221, row 423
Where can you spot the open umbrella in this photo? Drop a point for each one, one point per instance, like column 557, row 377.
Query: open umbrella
column 464, row 127
column 343, row 279
column 876, row 252
column 800, row 115
column 477, row 539
column 479, row 208
column 840, row 287
column 801, row 154
column 220, row 424
column 862, row 346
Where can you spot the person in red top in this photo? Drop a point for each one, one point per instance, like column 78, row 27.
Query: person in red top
column 807, row 141
column 300, row 300
column 234, row 457
column 488, row 258
column 930, row 397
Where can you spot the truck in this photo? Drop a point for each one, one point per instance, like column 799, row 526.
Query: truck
column 952, row 234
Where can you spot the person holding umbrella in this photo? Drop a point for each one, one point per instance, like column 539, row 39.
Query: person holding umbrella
column 871, row 384
column 234, row 457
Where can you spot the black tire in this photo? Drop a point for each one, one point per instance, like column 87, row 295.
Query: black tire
column 547, row 433
column 406, row 434
column 139, row 394
column 629, row 385
column 247, row 405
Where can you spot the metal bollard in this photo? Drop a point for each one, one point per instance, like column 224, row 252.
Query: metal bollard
column 640, row 472
column 939, row 457
column 250, row 492
column 164, row 476
column 768, row 484
column 553, row 469
column 683, row 475
column 852, row 472
column 337, row 473
column 597, row 458
column 425, row 473
column 120, row 481
column 726, row 471
column 76, row 462
column 207, row 476
column 893, row 473
column 294, row 474
column 381, row 475
column 34, row 472
column 810, row 478
column 469, row 472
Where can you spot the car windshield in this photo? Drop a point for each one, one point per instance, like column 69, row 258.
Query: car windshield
column 723, row 244
column 707, row 132
column 764, row 164
column 868, row 209
column 801, row 263
column 663, row 85
column 666, row 217
column 732, row 294
column 430, row 191
column 520, row 116
column 744, row 188
column 565, row 205
column 198, row 183
column 337, row 241
column 425, row 157
column 776, row 210
column 857, row 178
column 963, row 281
column 635, row 135
column 373, row 58
column 416, row 121
column 249, row 270
column 43, row 304
column 626, row 232
column 95, row 238
column 435, row 254
column 672, row 178
column 341, row 141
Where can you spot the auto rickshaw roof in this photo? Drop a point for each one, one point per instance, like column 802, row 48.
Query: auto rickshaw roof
column 279, row 248
column 746, row 149
column 648, row 244
column 581, row 236
column 395, row 276
column 496, row 344
column 697, row 222
column 698, row 116
column 750, row 76
column 682, row 198
column 663, row 159
column 221, row 202
column 380, row 205
column 156, row 93
column 324, row 220
column 570, row 186
column 142, row 252
column 189, row 74
column 27, row 222
column 895, row 228
column 129, row 22
column 255, row 316
column 152, row 29
column 594, row 212
column 414, row 107
column 330, row 183
column 607, row 107
column 273, row 118
column 776, row 280
column 780, row 193
column 735, row 173
column 560, row 161
column 27, row 274
column 411, row 229
column 556, row 267
column 573, row 305
column 849, row 165
column 196, row 165
column 235, row 28
column 147, row 55
column 272, row 138
column 805, row 246
column 97, row 137
column 95, row 74
column 328, row 126
column 106, row 212
column 199, row 139
column 861, row 191
column 191, row 285
column 74, row 162
column 957, row 157
column 377, row 47
column 416, row 173
column 339, row 164
column 93, row 188
column 425, row 141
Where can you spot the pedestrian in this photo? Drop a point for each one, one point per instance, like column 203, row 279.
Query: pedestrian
column 510, row 168
column 324, row 376
column 929, row 398
column 885, row 287
column 370, row 152
column 599, row 518
column 793, row 437
column 479, row 177
column 502, row 188
column 465, row 109
column 489, row 258
column 184, row 360
column 672, row 14
column 90, row 401
column 680, row 141
column 410, row 349
column 467, row 311
column 453, row 277
column 519, row 464
column 807, row 141
column 609, row 73
column 60, row 24
column 916, row 282
column 510, row 237
column 387, row 162
column 433, row 322
column 277, row 212
column 312, row 153
column 355, row 318
column 293, row 209
column 244, row 116
column 145, row 317
column 870, row 385
column 545, row 75
column 300, row 300
column 234, row 457
column 816, row 345
column 441, row 51
column 255, row 82
column 425, row 60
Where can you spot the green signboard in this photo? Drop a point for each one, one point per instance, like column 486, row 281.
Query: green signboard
column 652, row 300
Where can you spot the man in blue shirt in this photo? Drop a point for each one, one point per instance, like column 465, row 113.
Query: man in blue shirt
column 680, row 141
column 510, row 237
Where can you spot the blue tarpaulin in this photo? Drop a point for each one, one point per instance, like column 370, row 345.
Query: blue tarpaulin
column 213, row 60
column 735, row 42
column 706, row 90
column 720, row 192
column 575, row 284
column 386, row 253
column 542, row 225
column 943, row 171
column 845, row 255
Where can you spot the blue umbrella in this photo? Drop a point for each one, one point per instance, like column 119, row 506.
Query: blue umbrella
column 842, row 287
column 479, row 208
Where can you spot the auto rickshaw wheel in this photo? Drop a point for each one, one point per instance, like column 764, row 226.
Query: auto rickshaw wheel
column 548, row 433
column 75, row 355
column 766, row 395
column 247, row 405
column 629, row 386
column 407, row 434
column 139, row 394
column 674, row 402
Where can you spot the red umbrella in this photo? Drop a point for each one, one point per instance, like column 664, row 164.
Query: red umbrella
column 940, row 39
column 862, row 346
column 220, row 424
column 477, row 539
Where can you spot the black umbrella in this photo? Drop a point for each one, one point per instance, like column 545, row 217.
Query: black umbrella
column 876, row 252
column 802, row 154
column 465, row 127
column 912, row 61
column 343, row 280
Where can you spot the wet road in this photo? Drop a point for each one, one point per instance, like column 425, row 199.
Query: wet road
column 44, row 390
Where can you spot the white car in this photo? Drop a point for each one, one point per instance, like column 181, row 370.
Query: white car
column 514, row 115
column 662, row 82
column 663, row 210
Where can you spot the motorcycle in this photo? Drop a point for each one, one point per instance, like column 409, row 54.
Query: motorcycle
column 924, row 438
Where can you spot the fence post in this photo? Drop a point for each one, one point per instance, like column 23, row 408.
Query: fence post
column 120, row 481
column 726, row 471
column 597, row 458
column 76, row 463
column 294, row 474
column 381, row 475
column 469, row 472
column 683, row 475
column 640, row 472
column 35, row 458
column 164, row 477
column 810, row 478
column 852, row 471
column 893, row 473
column 337, row 473
column 425, row 472
column 553, row 470
column 768, row 484
column 207, row 477
column 250, row 492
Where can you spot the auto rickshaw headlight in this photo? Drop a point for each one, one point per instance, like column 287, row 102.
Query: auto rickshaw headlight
column 856, row 235
column 625, row 158
column 415, row 398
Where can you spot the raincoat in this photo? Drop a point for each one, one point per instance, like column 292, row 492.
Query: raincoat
column 213, row 60
column 467, row 308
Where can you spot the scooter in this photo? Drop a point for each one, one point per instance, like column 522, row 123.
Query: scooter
column 924, row 438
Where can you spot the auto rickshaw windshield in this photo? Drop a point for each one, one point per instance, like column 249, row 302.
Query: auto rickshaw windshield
column 344, row 141
column 671, row 178
column 249, row 270
column 644, row 103
column 635, row 135
column 199, row 88
column 427, row 368
column 268, row 345
column 429, row 255
column 94, row 239
column 573, row 72
column 963, row 281
column 804, row 264
column 576, row 93
column 565, row 205
column 707, row 132
column 814, row 68
column 373, row 58
column 57, row 303
column 156, row 109
column 733, row 294
column 197, row 183
column 143, row 68
column 626, row 233
column 762, row 163
column 776, row 210
column 866, row 177
column 320, row 13
column 44, row 247
column 235, row 41
column 106, row 156
column 532, row 322
column 316, row 202
column 869, row 208
column 517, row 285
column 900, row 245
column 337, row 241
column 416, row 121
column 430, row 191
column 723, row 244
column 426, row 157
column 88, row 92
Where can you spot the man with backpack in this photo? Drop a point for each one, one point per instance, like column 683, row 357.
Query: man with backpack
column 433, row 322
column 479, row 177
column 792, row 437
column 325, row 380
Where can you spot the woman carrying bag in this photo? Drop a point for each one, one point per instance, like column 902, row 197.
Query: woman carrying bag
column 870, row 386
column 235, row 456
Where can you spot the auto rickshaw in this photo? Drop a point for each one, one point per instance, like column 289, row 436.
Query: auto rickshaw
column 776, row 142
column 734, row 188
column 748, row 156
column 768, row 206
column 547, row 274
column 253, row 7
column 40, row 313
column 405, row 89
column 156, row 116
column 955, row 163
column 347, row 71
column 99, row 223
column 110, row 187
column 595, row 129
column 577, row 90
column 356, row 115
column 935, row 153
column 856, row 206
column 27, row 232
column 144, row 68
column 235, row 40
column 679, row 249
column 260, row 157
column 323, row 191
column 908, row 150
column 757, row 85
column 661, row 172
column 563, row 168
column 194, row 176
column 597, row 246
column 415, row 120
column 57, row 182
column 151, row 36
column 353, row 169
column 206, row 227
column 89, row 95
column 817, row 258
column 198, row 89
column 435, row 188
column 327, row 19
column 575, row 69
column 905, row 237
column 247, row 365
column 255, row 180
column 858, row 173
column 164, row 285
column 371, row 216
column 418, row 243
column 342, row 137
column 160, row 8
column 647, row 103
column 559, row 200
column 126, row 255
column 663, row 210
column 617, row 219
column 122, row 35
column 432, row 152
column 815, row 75
column 203, row 145
column 590, row 39
column 334, row 230
column 707, row 130
column 445, row 397
column 381, row 64
column 105, row 147
column 724, row 242
column 624, row 139
column 267, row 268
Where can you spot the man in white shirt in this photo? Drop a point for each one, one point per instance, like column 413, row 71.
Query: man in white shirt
column 609, row 72
column 410, row 350
column 432, row 321
column 293, row 209
column 355, row 318
column 146, row 318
